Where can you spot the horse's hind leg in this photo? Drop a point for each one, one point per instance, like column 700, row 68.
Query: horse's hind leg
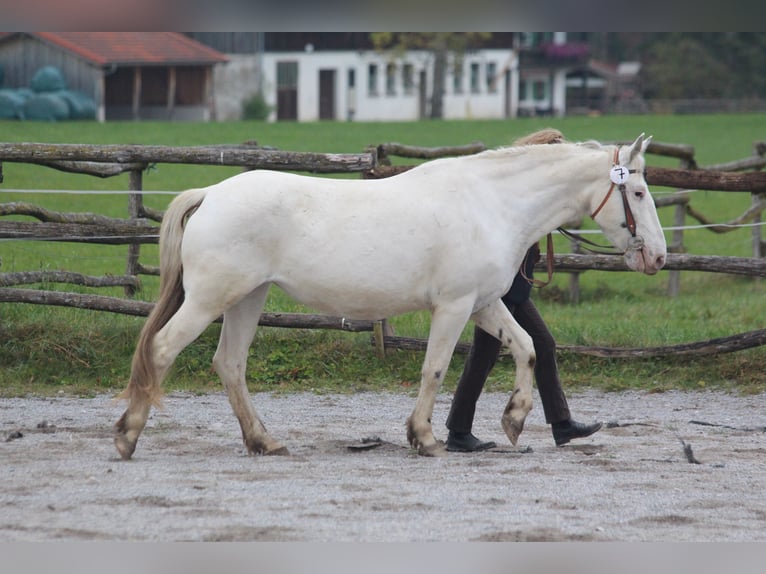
column 230, row 361
column 498, row 322
column 183, row 327
column 447, row 324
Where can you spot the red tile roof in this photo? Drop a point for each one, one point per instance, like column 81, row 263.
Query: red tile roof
column 103, row 48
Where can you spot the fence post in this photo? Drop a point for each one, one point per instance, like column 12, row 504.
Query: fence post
column 757, row 239
column 759, row 148
column 677, row 246
column 677, row 241
column 135, row 210
column 380, row 330
column 574, row 278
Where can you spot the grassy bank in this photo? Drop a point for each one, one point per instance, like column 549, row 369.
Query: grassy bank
column 48, row 350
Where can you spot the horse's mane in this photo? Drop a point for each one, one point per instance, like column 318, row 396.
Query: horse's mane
column 518, row 150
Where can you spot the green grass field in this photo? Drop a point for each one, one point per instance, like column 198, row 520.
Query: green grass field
column 47, row 349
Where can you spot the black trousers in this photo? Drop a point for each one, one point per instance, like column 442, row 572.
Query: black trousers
column 483, row 356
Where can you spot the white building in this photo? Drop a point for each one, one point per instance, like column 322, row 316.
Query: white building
column 367, row 85
column 324, row 76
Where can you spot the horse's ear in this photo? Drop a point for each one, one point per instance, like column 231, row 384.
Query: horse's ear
column 645, row 145
column 638, row 146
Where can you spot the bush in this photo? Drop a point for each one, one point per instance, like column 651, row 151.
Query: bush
column 256, row 108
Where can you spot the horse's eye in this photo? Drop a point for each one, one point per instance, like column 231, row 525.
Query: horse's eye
column 638, row 194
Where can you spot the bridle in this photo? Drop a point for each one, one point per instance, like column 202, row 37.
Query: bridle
column 630, row 221
column 636, row 242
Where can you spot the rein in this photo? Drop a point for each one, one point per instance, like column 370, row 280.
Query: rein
column 548, row 265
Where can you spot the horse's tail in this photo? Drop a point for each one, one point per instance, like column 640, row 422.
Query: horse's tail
column 145, row 380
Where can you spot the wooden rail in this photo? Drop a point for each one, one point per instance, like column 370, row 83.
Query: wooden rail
column 106, row 161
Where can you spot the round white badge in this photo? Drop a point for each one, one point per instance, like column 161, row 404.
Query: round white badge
column 619, row 174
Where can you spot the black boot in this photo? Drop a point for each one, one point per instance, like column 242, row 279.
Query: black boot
column 565, row 431
column 466, row 442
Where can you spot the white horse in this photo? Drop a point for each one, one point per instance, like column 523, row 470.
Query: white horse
column 447, row 236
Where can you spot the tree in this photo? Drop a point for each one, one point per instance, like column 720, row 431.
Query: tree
column 691, row 64
column 440, row 44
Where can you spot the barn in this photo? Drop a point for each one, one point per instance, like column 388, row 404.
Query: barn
column 130, row 75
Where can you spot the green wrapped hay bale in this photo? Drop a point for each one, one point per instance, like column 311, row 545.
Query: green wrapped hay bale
column 12, row 104
column 48, row 79
column 81, row 106
column 46, row 107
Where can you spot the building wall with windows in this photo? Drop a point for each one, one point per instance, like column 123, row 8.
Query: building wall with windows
column 365, row 85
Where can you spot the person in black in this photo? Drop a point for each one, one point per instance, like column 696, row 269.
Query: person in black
column 486, row 349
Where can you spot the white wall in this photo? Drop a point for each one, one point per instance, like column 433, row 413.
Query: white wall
column 235, row 82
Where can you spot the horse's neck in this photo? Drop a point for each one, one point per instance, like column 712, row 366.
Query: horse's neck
column 548, row 196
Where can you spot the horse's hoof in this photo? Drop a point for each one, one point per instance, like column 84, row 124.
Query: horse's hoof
column 435, row 450
column 124, row 446
column 512, row 429
column 279, row 451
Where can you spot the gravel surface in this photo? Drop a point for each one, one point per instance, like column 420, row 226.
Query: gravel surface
column 654, row 473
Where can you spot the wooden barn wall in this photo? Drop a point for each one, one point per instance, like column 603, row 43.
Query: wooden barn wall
column 21, row 58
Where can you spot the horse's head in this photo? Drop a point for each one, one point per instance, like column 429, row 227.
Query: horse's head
column 627, row 214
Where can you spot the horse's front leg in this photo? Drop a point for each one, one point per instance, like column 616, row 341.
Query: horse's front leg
column 447, row 322
column 497, row 320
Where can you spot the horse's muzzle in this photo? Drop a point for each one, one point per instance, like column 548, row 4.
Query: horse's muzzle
column 638, row 258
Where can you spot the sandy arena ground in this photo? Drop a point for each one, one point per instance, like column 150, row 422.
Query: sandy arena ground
column 191, row 479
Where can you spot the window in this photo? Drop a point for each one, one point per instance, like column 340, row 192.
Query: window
column 539, row 90
column 491, row 77
column 475, row 88
column 457, row 78
column 372, row 79
column 408, row 79
column 523, row 90
column 391, row 79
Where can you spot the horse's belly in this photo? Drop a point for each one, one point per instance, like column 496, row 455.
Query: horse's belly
column 358, row 300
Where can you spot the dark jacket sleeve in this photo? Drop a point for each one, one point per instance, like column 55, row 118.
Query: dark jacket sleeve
column 521, row 288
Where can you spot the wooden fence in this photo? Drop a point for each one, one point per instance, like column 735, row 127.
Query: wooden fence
column 141, row 228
